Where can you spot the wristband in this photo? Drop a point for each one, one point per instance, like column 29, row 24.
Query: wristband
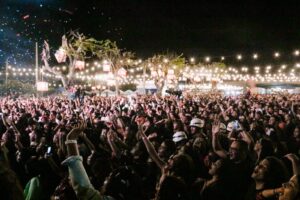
column 71, row 142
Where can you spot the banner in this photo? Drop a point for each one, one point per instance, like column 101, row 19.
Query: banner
column 122, row 72
column 79, row 64
column 153, row 73
column 170, row 71
column 106, row 67
column 170, row 76
column 42, row 86
column 60, row 55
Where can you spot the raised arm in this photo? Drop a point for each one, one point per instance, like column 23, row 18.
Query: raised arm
column 113, row 146
column 268, row 193
column 292, row 109
column 295, row 163
column 87, row 141
column 217, row 148
column 79, row 178
column 248, row 139
column 151, row 150
column 4, row 121
column 18, row 143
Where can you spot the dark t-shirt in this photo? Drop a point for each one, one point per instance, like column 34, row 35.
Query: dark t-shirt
column 241, row 180
column 254, row 194
column 216, row 191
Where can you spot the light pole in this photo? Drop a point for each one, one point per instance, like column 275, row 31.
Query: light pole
column 36, row 64
column 6, row 74
column 144, row 78
column 36, row 67
column 6, row 71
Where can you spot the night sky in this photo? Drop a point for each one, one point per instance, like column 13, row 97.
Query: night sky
column 195, row 28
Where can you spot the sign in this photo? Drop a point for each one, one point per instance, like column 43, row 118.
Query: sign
column 42, row 86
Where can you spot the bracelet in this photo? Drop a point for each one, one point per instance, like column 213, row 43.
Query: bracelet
column 276, row 193
column 71, row 142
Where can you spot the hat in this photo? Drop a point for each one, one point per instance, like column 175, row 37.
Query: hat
column 179, row 136
column 197, row 122
column 230, row 126
column 234, row 125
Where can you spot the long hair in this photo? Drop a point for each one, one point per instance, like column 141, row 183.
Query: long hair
column 124, row 184
column 172, row 188
column 277, row 173
column 267, row 149
column 10, row 186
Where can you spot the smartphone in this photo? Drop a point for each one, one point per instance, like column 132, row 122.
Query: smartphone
column 49, row 150
column 236, row 125
column 103, row 132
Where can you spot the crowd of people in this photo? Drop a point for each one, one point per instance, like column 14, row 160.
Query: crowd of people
column 203, row 147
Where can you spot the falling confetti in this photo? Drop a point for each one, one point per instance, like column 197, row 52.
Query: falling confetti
column 47, row 21
column 26, row 16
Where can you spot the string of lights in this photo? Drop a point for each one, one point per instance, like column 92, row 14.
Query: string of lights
column 99, row 71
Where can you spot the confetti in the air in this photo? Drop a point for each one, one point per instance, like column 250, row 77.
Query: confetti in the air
column 23, row 23
column 26, row 16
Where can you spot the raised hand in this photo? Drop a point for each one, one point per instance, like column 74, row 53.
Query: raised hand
column 74, row 133
column 215, row 127
column 292, row 157
column 110, row 136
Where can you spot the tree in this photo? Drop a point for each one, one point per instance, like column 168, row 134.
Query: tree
column 164, row 67
column 129, row 86
column 116, row 58
column 74, row 50
column 17, row 86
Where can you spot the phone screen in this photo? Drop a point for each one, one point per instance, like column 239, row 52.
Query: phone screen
column 49, row 150
column 236, row 125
